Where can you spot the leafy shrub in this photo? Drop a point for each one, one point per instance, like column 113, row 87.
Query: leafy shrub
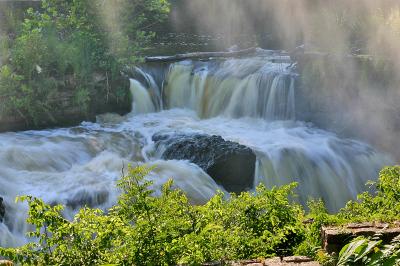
column 383, row 204
column 142, row 229
column 66, row 46
column 317, row 217
column 363, row 251
column 10, row 83
column 380, row 204
column 146, row 230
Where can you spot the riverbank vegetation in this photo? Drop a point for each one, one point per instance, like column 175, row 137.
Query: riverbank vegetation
column 142, row 229
column 74, row 48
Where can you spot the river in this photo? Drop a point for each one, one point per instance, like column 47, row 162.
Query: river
column 251, row 101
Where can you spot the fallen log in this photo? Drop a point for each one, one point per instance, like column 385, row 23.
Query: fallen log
column 201, row 55
column 296, row 55
column 311, row 56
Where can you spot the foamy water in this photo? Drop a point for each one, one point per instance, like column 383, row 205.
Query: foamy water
column 249, row 101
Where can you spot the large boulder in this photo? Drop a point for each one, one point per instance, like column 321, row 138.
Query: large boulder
column 2, row 210
column 230, row 164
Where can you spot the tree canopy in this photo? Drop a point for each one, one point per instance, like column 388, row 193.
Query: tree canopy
column 79, row 46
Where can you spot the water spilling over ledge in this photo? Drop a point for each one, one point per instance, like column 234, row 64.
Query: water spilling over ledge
column 248, row 87
column 251, row 101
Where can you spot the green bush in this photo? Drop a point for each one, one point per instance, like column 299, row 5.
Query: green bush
column 146, row 230
column 382, row 204
column 363, row 251
column 67, row 47
column 142, row 229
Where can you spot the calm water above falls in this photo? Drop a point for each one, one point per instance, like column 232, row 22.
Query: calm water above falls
column 250, row 101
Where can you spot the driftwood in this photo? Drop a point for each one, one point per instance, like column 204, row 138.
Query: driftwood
column 201, row 55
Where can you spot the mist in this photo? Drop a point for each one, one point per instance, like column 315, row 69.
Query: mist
column 358, row 78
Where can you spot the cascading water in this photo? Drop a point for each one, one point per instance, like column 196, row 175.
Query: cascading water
column 250, row 101
column 234, row 88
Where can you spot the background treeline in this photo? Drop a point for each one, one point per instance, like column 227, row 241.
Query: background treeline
column 325, row 25
column 65, row 53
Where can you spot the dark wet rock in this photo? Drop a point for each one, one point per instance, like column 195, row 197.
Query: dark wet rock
column 89, row 199
column 230, row 164
column 2, row 210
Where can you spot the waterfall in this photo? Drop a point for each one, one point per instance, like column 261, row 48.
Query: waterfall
column 77, row 167
column 250, row 101
column 143, row 102
column 252, row 87
column 253, row 99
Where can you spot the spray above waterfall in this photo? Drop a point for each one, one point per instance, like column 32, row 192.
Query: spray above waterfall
column 364, row 94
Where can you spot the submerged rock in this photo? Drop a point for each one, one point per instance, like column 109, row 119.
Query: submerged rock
column 230, row 164
column 2, row 210
column 87, row 198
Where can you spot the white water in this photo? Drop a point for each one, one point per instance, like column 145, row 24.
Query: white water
column 242, row 100
column 252, row 87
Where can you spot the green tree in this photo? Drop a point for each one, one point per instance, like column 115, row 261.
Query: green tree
column 67, row 46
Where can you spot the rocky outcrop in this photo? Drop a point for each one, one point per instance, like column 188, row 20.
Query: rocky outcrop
column 335, row 238
column 2, row 210
column 230, row 164
column 285, row 261
column 6, row 263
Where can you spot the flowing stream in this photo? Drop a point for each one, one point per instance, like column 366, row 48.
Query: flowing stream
column 251, row 101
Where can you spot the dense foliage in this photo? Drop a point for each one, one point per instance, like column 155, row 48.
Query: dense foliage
column 74, row 47
column 165, row 230
column 381, row 205
column 146, row 230
column 362, row 251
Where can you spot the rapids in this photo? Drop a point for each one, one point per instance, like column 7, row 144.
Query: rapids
column 250, row 101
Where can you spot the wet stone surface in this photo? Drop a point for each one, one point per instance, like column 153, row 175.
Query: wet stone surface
column 286, row 261
column 230, row 164
column 2, row 210
column 335, row 238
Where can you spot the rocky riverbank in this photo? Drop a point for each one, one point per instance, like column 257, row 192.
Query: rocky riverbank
column 283, row 261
